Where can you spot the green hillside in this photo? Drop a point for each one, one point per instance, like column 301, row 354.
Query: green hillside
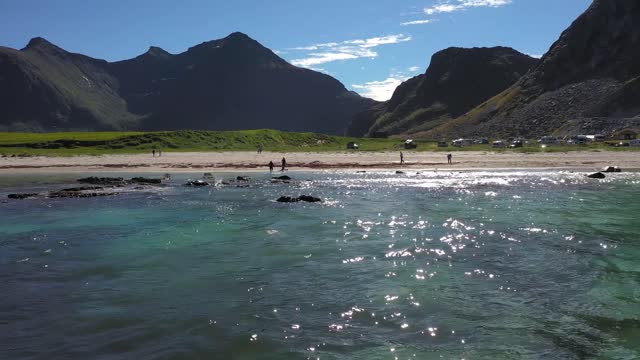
column 90, row 143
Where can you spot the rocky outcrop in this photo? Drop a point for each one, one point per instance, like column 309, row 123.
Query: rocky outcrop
column 456, row 81
column 145, row 181
column 611, row 169
column 597, row 175
column 111, row 181
column 78, row 192
column 22, row 196
column 118, row 181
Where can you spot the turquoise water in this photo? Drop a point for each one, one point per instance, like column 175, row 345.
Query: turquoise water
column 473, row 265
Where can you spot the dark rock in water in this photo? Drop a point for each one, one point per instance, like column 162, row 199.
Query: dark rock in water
column 361, row 172
column 399, row 172
column 83, row 188
column 22, row 196
column 78, row 194
column 143, row 180
column 308, row 198
column 597, row 175
column 197, row 183
column 102, row 180
column 612, row 169
column 243, row 178
column 304, row 198
column 283, row 177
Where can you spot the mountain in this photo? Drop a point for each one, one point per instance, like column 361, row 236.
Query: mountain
column 456, row 81
column 589, row 81
column 43, row 87
column 228, row 84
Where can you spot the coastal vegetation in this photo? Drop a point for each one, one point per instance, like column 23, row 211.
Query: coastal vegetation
column 101, row 143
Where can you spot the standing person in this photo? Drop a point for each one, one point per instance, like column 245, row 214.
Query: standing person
column 449, row 159
column 284, row 164
column 271, row 165
column 401, row 158
column 153, row 152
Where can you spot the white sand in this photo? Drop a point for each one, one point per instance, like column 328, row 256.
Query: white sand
column 225, row 161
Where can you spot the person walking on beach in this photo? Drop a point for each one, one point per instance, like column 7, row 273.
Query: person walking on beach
column 284, row 164
column 153, row 152
column 271, row 165
column 449, row 159
column 401, row 158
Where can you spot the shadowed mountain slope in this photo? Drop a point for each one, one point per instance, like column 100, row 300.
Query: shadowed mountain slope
column 227, row 84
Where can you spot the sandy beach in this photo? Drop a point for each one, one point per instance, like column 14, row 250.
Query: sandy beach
column 247, row 161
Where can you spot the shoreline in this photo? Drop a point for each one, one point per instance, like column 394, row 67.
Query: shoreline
column 194, row 162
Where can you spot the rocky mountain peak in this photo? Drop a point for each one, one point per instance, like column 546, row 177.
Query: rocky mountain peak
column 39, row 42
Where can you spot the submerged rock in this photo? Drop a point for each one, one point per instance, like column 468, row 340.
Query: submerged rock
column 197, row 183
column 78, row 194
column 22, row 196
column 283, row 177
column 146, row 181
column 597, row 175
column 102, row 180
column 303, row 198
column 83, row 188
column 243, row 179
column 399, row 172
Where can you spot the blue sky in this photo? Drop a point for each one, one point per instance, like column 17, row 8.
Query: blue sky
column 369, row 45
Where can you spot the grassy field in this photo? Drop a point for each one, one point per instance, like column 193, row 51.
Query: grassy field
column 97, row 143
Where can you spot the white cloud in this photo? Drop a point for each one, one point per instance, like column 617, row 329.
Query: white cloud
column 418, row 22
column 380, row 90
column 347, row 50
column 457, row 5
column 322, row 58
column 414, row 68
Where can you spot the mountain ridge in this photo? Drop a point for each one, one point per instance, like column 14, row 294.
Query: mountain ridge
column 229, row 83
column 456, row 80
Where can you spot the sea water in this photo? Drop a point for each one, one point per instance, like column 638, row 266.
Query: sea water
column 438, row 265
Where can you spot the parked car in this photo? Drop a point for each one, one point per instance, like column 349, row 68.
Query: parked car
column 548, row 140
column 499, row 144
column 578, row 140
column 622, row 144
column 516, row 144
column 462, row 142
column 443, row 144
column 353, row 146
column 635, row 142
column 410, row 144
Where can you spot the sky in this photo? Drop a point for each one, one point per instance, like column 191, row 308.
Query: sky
column 371, row 46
